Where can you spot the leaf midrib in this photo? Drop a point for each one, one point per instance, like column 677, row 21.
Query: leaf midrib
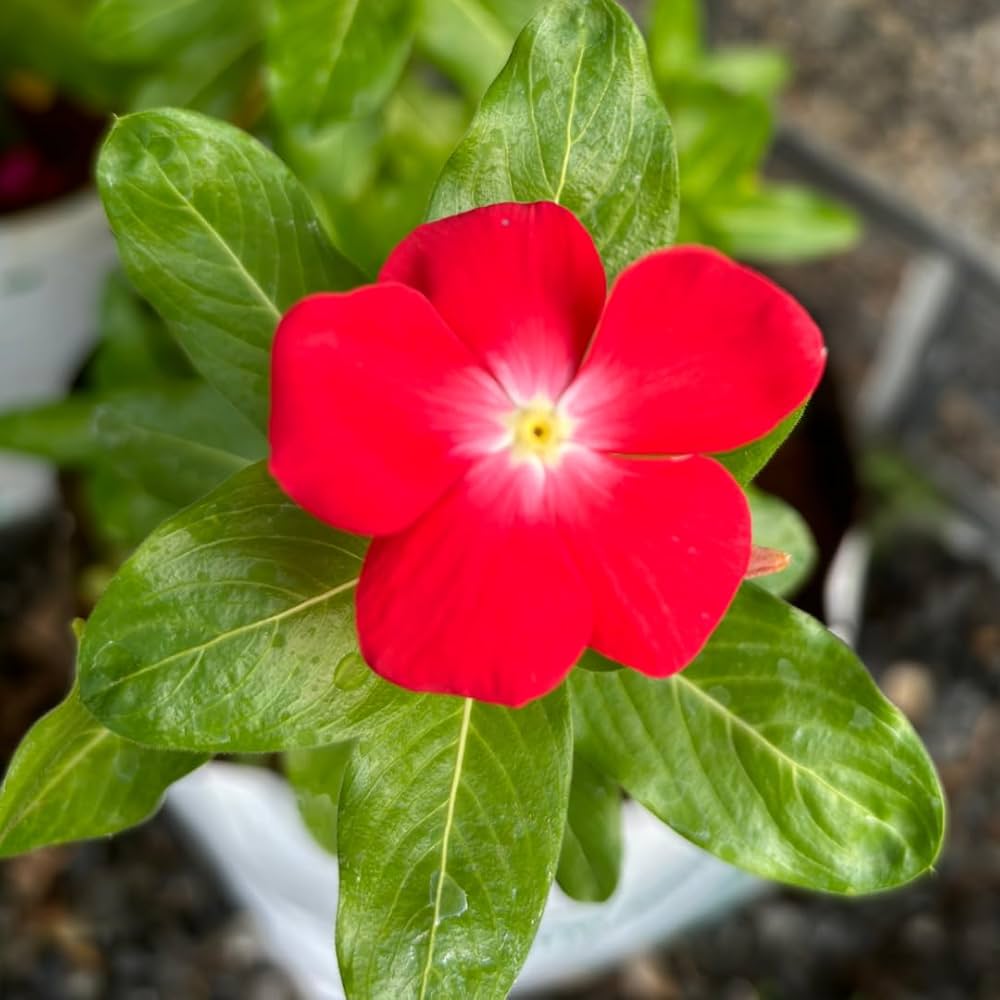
column 51, row 782
column 463, row 737
column 214, row 234
column 733, row 719
column 222, row 636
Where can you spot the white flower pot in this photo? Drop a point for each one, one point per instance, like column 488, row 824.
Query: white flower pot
column 246, row 821
column 53, row 261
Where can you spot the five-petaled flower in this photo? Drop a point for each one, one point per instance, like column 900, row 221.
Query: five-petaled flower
column 530, row 453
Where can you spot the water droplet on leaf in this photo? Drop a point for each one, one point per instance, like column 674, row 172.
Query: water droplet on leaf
column 351, row 672
column 862, row 718
column 787, row 671
column 454, row 902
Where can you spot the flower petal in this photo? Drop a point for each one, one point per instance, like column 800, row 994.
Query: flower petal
column 375, row 407
column 479, row 597
column 694, row 354
column 663, row 545
column 522, row 285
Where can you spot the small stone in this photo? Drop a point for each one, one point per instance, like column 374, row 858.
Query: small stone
column 910, row 687
column 644, row 978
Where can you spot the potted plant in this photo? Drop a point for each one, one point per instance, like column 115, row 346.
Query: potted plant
column 447, row 783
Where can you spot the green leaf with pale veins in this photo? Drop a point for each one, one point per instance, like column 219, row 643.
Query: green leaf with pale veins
column 218, row 235
column 331, row 60
column 591, row 857
column 72, row 779
column 232, row 628
column 776, row 525
column 575, row 118
column 775, row 751
column 316, row 776
column 450, row 825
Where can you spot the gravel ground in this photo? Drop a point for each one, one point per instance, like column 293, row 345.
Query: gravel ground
column 907, row 89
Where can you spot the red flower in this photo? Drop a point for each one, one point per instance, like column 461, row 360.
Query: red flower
column 529, row 456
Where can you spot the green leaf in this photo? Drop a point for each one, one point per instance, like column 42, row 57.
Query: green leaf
column 449, row 837
column 216, row 75
column 316, row 776
column 776, row 525
column 232, row 628
column 721, row 139
column 775, row 751
column 121, row 513
column 177, row 441
column 675, row 37
column 330, row 60
column 215, row 231
column 71, row 779
column 784, row 223
column 139, row 31
column 591, row 857
column 744, row 463
column 470, row 40
column 60, row 432
column 574, row 118
column 134, row 347
column 745, row 70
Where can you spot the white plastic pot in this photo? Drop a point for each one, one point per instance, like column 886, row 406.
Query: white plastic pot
column 246, row 821
column 53, row 261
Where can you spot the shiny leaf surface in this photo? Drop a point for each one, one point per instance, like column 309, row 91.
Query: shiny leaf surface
column 775, row 751
column 216, row 232
column 449, row 833
column 574, row 117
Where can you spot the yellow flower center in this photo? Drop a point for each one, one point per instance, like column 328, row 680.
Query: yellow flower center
column 539, row 431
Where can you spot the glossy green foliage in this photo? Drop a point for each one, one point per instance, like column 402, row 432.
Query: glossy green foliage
column 331, row 60
column 218, row 235
column 232, row 628
column 776, row 525
column 574, row 117
column 72, row 779
column 450, row 825
column 774, row 751
column 316, row 776
column 591, row 857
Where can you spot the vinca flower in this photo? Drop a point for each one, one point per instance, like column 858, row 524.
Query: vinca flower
column 530, row 453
